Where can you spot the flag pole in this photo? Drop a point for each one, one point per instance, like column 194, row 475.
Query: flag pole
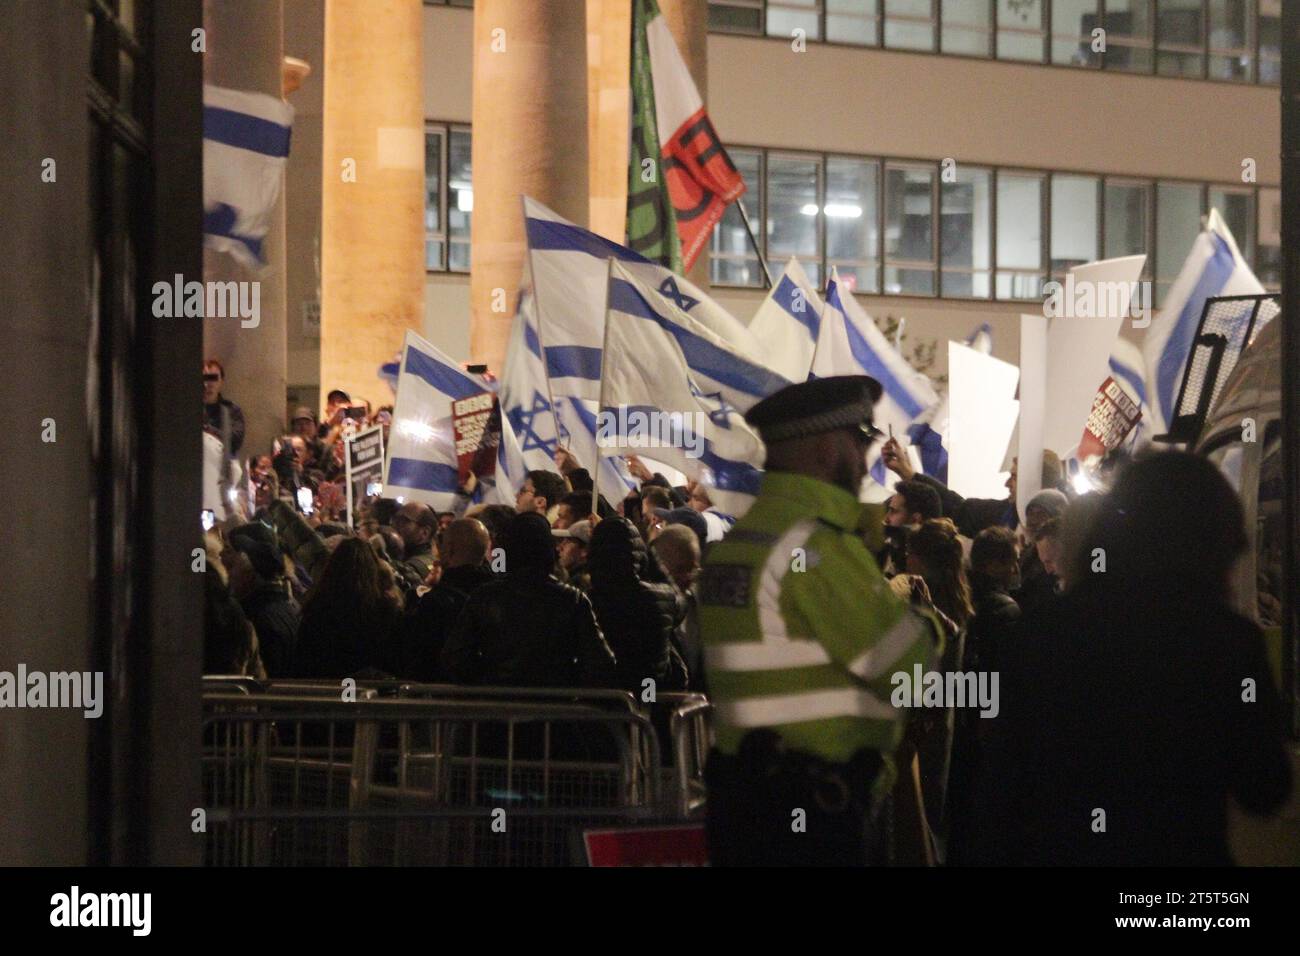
column 600, row 407
column 753, row 240
column 832, row 279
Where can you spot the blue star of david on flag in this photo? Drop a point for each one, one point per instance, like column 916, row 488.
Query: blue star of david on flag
column 669, row 289
column 719, row 415
column 521, row 420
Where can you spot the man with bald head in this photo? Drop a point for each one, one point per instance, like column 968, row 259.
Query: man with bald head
column 465, row 549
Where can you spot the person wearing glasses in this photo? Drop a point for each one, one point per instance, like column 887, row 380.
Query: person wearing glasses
column 221, row 416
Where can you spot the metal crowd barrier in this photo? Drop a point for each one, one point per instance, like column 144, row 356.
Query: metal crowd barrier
column 425, row 774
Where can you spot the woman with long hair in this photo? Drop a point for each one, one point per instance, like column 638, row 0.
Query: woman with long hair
column 934, row 552
column 347, row 618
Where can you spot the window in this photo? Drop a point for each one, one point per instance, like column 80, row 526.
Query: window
column 1178, row 222
column 966, row 234
column 1237, row 207
column 1180, row 26
column 852, row 215
column 448, row 198
column 793, row 211
column 1268, row 260
column 1270, row 41
column 1020, row 235
column 909, row 24
column 1072, row 24
column 732, row 257
column 1020, row 30
column 966, row 27
column 736, row 16
column 434, row 232
column 1128, row 35
column 853, row 21
column 1127, row 215
column 1230, row 41
column 786, row 16
column 909, row 229
column 1075, row 221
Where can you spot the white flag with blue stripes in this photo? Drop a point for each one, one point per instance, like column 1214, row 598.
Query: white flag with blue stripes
column 650, row 402
column 539, row 428
column 787, row 323
column 1127, row 368
column 851, row 344
column 421, row 463
column 245, row 147
column 569, row 271
column 1214, row 267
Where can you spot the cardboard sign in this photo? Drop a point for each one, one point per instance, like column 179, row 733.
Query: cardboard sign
column 476, row 422
column 363, row 458
column 682, row 845
column 1114, row 414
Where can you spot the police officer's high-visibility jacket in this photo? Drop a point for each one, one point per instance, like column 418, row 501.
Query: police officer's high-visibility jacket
column 801, row 631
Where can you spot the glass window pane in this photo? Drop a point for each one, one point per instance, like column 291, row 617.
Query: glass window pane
column 1268, row 261
column 966, row 234
column 732, row 257
column 909, row 229
column 1128, row 35
column 852, row 217
column 1074, row 222
column 460, row 198
column 1237, row 207
column 792, row 208
column 740, row 16
column 1020, row 236
column 1128, row 211
column 909, row 24
column 433, row 245
column 966, row 27
column 1230, row 43
column 1180, row 28
column 1178, row 220
column 1020, row 30
column 1270, row 41
column 853, row 21
column 784, row 17
column 1072, row 24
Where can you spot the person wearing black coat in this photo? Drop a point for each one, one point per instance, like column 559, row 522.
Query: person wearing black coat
column 1135, row 706
column 637, row 607
column 464, row 548
column 527, row 629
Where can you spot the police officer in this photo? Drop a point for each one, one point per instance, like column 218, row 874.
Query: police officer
column 801, row 636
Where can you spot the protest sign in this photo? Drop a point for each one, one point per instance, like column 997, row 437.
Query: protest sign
column 363, row 458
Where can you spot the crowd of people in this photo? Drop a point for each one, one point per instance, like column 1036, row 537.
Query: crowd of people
column 1120, row 688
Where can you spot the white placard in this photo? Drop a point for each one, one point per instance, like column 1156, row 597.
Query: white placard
column 982, row 414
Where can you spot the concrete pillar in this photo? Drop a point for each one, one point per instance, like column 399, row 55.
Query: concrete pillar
column 530, row 137
column 45, row 619
column 245, row 53
column 688, row 21
column 609, row 104
column 372, row 178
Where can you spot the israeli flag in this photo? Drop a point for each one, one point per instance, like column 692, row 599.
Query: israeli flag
column 538, row 427
column 787, row 323
column 851, row 344
column 929, row 432
column 421, row 463
column 569, row 272
column 651, row 402
column 245, row 147
column 1214, row 267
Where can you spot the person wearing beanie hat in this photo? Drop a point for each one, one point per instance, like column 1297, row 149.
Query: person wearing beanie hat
column 1038, row 585
column 801, row 635
column 255, row 563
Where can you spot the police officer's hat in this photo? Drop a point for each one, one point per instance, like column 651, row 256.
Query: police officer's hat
column 821, row 405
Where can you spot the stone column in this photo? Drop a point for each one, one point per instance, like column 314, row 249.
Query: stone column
column 372, row 180
column 609, row 103
column 245, row 53
column 530, row 137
